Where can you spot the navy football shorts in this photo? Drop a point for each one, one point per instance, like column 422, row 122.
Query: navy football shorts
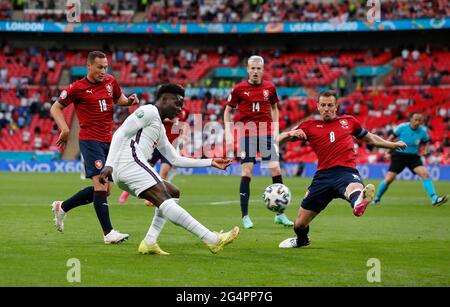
column 329, row 184
column 263, row 144
column 94, row 155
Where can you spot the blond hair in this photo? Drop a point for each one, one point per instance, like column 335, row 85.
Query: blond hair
column 255, row 58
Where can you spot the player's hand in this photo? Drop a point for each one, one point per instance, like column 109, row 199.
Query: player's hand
column 133, row 99
column 299, row 134
column 221, row 163
column 105, row 173
column 62, row 139
column 400, row 145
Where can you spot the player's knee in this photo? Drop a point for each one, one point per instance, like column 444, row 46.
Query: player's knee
column 247, row 171
column 175, row 193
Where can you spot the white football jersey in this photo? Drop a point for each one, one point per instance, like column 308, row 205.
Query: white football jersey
column 139, row 135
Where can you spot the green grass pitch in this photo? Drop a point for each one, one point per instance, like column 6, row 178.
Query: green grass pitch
column 410, row 238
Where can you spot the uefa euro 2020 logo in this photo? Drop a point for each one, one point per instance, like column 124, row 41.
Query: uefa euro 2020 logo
column 73, row 10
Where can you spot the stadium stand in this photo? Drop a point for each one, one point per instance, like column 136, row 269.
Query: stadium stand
column 228, row 11
column 25, row 99
column 417, row 79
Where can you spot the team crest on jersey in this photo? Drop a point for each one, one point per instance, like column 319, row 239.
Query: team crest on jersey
column 98, row 164
column 344, row 123
column 109, row 89
column 63, row 94
column 139, row 113
column 243, row 154
column 266, row 95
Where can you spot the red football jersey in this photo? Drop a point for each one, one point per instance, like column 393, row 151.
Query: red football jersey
column 332, row 141
column 253, row 104
column 173, row 134
column 93, row 106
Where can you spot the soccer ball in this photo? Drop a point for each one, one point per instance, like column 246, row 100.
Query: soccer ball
column 277, row 197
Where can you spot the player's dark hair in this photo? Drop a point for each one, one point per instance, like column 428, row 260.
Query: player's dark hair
column 169, row 88
column 328, row 93
column 414, row 113
column 95, row 54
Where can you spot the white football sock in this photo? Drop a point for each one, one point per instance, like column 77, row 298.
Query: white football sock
column 157, row 225
column 155, row 228
column 177, row 215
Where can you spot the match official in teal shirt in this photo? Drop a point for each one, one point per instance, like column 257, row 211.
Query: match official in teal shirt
column 414, row 134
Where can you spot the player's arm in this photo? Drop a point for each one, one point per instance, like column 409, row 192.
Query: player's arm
column 292, row 136
column 127, row 101
column 233, row 101
column 375, row 140
column 228, row 123
column 57, row 112
column 136, row 121
column 169, row 152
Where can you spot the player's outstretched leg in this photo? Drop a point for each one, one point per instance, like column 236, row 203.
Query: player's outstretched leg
column 170, row 210
column 364, row 200
column 177, row 215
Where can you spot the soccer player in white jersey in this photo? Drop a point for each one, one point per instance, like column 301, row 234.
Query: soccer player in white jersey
column 133, row 144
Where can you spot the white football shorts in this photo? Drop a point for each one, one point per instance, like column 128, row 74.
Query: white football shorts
column 136, row 177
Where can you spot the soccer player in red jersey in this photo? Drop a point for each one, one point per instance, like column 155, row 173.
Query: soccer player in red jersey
column 167, row 171
column 93, row 98
column 257, row 113
column 332, row 140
